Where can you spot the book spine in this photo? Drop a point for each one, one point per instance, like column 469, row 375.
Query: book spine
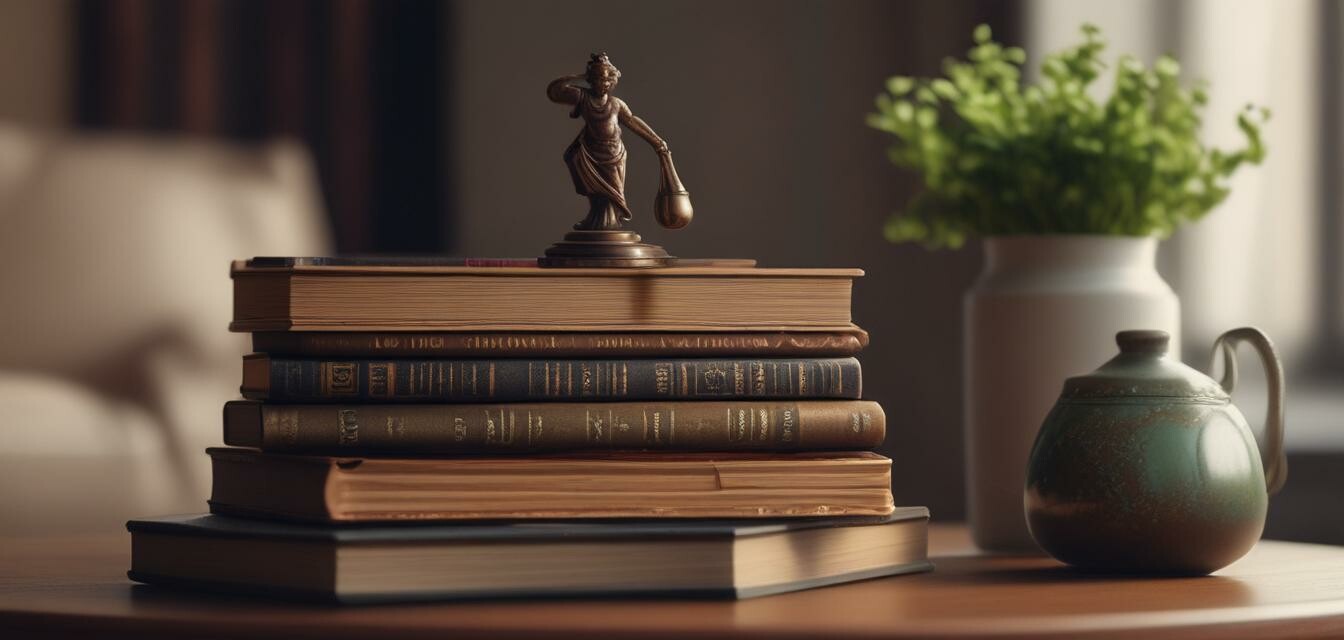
column 559, row 344
column 310, row 380
column 676, row 426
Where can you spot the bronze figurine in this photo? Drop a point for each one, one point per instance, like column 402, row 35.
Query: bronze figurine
column 596, row 161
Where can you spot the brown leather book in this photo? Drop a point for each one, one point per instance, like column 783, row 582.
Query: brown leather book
column 448, row 261
column 632, row 485
column 557, row 344
column 416, row 297
column 555, row 426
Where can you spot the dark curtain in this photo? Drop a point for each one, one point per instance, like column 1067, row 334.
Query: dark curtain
column 358, row 81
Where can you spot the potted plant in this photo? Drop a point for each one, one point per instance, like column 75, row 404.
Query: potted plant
column 1069, row 196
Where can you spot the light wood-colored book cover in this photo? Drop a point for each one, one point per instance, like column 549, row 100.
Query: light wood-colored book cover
column 449, row 298
column 632, row 485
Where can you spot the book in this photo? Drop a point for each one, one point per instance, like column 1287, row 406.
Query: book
column 444, row 261
column 353, row 565
column 280, row 379
column 558, row 344
column 633, row 485
column 745, row 425
column 308, row 297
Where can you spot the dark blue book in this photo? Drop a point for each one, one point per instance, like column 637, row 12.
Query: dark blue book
column 310, row 380
column 389, row 563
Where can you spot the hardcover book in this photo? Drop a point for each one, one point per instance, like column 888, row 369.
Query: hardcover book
column 556, row 426
column 560, row 344
column 353, row 489
column 448, row 261
column 280, row 379
column 321, row 297
column 732, row 559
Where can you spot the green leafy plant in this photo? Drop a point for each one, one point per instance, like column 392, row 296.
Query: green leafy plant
column 998, row 158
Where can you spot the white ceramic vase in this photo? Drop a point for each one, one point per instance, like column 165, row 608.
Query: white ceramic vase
column 1044, row 308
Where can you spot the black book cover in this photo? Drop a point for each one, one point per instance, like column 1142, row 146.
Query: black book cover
column 217, row 532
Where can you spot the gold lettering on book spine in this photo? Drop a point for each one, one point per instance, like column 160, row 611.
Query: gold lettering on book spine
column 662, row 378
column 380, row 379
column 621, row 424
column 654, row 437
column 459, row 429
column 593, row 426
column 491, row 429
column 535, row 428
column 738, row 430
column 396, row 428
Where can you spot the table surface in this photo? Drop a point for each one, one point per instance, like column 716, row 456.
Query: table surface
column 56, row 586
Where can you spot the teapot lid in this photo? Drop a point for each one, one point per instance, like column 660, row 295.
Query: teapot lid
column 1143, row 370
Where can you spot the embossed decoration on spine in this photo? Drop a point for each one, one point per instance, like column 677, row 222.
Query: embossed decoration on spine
column 558, row 345
column 461, row 428
column 437, row 380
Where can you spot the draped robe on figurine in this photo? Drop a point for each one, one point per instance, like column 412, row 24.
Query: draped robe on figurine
column 596, row 162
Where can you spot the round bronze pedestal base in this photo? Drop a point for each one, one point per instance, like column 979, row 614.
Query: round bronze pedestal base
column 605, row 249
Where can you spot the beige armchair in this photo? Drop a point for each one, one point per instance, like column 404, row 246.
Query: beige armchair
column 115, row 357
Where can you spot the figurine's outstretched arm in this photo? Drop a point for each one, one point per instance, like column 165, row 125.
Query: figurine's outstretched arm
column 560, row 90
column 642, row 129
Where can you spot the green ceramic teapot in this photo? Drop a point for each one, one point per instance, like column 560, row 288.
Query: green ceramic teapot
column 1145, row 465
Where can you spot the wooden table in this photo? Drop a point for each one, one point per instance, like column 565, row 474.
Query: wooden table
column 59, row 586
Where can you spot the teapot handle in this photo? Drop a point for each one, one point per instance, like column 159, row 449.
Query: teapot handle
column 1276, row 464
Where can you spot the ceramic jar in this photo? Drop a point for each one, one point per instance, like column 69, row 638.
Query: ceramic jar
column 1044, row 308
column 1145, row 465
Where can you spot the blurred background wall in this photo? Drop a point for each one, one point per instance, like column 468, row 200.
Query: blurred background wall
column 427, row 132
column 762, row 104
column 35, row 61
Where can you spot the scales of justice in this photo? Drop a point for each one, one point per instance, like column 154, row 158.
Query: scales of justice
column 596, row 161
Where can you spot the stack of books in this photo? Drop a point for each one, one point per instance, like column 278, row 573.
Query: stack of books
column 430, row 430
